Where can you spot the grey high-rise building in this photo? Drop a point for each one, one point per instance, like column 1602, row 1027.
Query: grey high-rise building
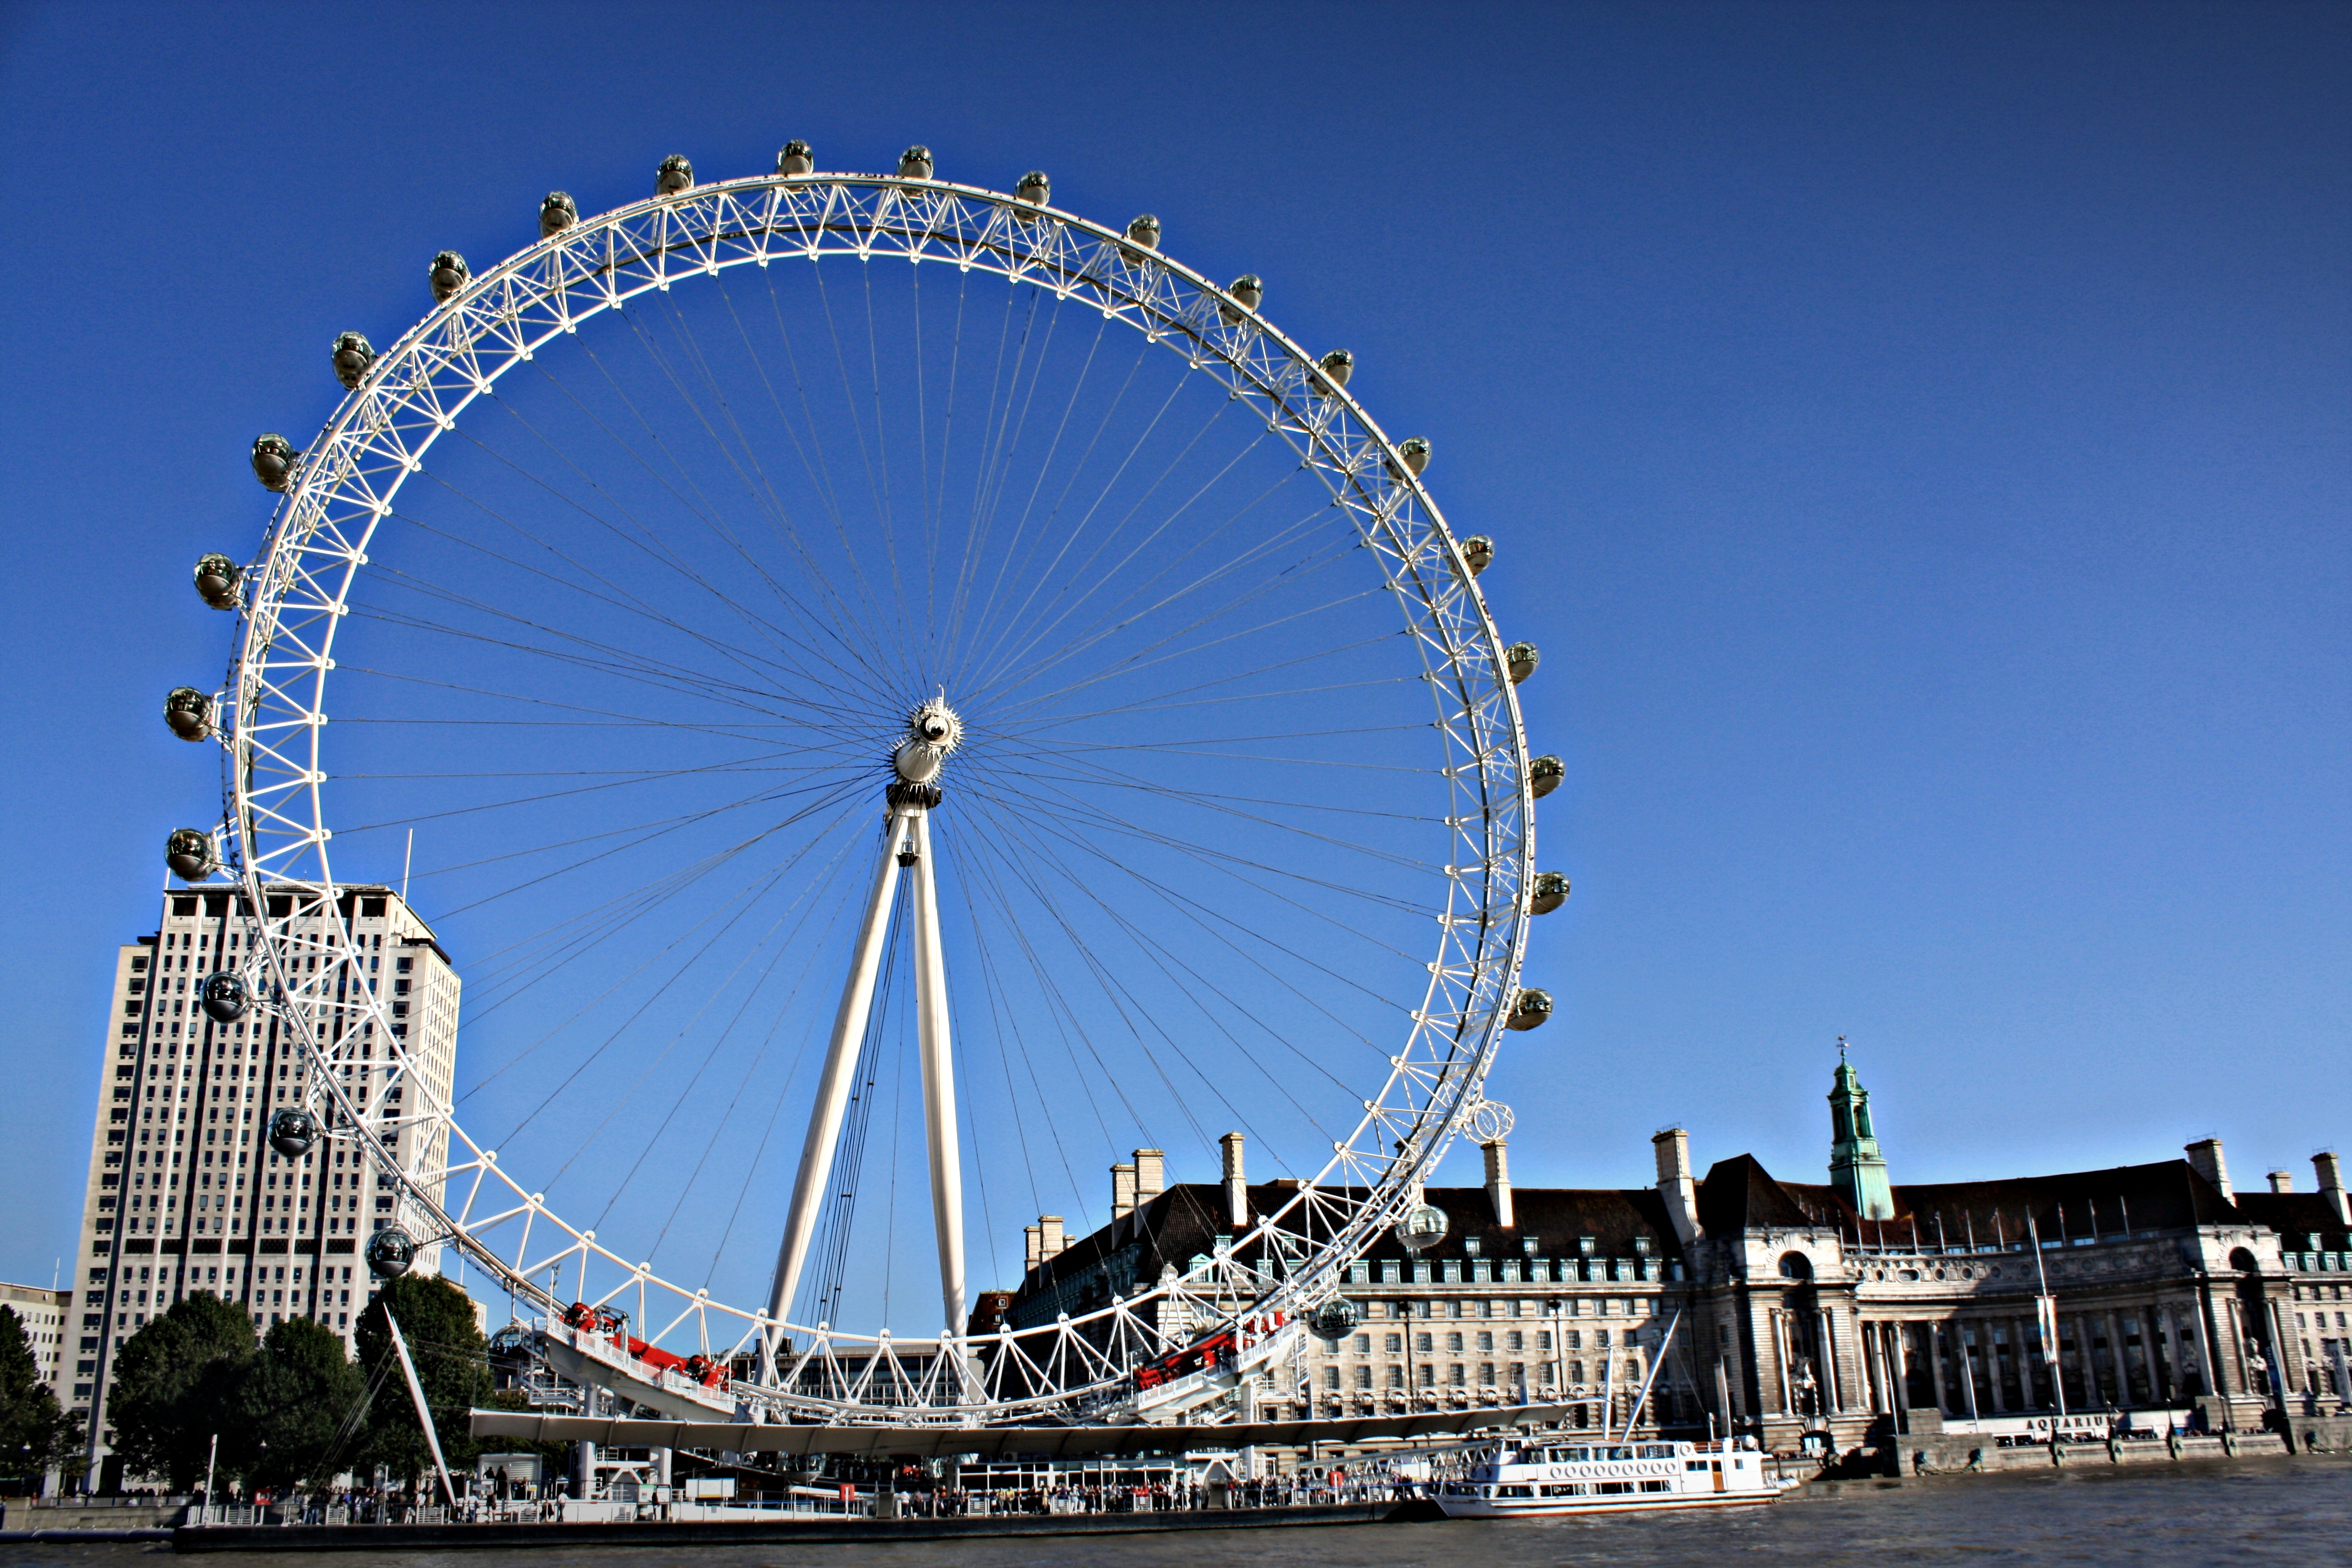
column 184, row 1192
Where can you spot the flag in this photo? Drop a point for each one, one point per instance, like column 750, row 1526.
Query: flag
column 2045, row 1318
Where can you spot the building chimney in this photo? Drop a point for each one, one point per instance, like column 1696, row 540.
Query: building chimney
column 1498, row 1182
column 1150, row 1175
column 1049, row 1237
column 2331, row 1184
column 1674, row 1184
column 1030, row 1235
column 1236, row 1184
column 2205, row 1159
column 1122, row 1191
column 2281, row 1181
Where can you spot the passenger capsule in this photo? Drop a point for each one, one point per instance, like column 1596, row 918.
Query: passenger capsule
column 915, row 163
column 390, row 1251
column 1035, row 188
column 352, row 353
column 1546, row 892
column 224, row 996
column 1413, row 452
column 1544, row 775
column 1336, row 366
column 674, row 174
column 189, row 853
column 1477, row 553
column 1532, row 1010
column 217, row 580
column 273, row 462
column 797, row 158
column 557, row 213
column 1145, row 231
column 448, row 274
column 189, row 712
column 1422, row 1229
column 1249, row 292
column 1334, row 1318
column 293, row 1131
column 1521, row 659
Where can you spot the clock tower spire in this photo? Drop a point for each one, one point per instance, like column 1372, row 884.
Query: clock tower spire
column 1857, row 1169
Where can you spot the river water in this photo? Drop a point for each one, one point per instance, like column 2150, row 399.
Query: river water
column 2253, row 1512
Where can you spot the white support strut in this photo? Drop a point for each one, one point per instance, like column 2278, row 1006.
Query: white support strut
column 840, row 1073
column 939, row 1080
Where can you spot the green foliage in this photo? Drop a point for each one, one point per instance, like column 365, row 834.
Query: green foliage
column 288, row 1404
column 452, row 1360
column 34, row 1432
column 175, row 1381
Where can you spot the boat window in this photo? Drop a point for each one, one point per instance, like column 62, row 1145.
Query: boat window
column 1621, row 1453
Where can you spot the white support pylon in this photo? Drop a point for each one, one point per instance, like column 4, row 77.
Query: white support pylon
column 939, row 1080
column 840, row 1073
column 933, row 732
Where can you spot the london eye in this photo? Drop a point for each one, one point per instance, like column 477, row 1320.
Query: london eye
column 894, row 692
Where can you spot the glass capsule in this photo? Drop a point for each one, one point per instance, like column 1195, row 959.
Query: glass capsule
column 217, row 580
column 273, row 461
column 293, row 1131
column 674, row 174
column 390, row 1251
column 447, row 275
column 224, row 996
column 189, row 712
column 189, row 853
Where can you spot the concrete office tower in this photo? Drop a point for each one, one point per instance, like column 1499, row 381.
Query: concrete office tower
column 184, row 1192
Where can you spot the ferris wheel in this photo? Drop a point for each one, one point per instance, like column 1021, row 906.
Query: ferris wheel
column 882, row 679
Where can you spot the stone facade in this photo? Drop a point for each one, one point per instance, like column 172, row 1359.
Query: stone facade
column 1738, row 1302
column 182, row 1192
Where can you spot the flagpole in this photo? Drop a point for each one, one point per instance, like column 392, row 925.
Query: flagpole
column 2046, row 1314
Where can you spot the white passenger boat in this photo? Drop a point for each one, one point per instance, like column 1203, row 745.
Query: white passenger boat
column 1547, row 1476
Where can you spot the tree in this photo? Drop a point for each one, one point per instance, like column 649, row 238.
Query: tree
column 34, row 1432
column 290, row 1402
column 452, row 1360
column 173, row 1382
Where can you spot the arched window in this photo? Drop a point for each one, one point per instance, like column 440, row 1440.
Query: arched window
column 1796, row 1266
column 2242, row 1261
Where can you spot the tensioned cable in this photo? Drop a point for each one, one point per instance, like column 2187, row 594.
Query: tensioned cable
column 1037, row 847
column 691, row 344
column 1219, row 922
column 806, row 905
column 821, row 1291
column 751, row 1076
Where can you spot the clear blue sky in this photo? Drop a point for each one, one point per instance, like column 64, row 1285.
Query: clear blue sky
column 1917, row 435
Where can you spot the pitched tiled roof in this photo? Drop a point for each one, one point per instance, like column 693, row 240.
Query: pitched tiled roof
column 2298, row 1215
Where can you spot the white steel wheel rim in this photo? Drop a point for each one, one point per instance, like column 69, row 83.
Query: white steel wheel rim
column 274, row 710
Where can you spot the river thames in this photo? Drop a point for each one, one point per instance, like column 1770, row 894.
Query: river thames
column 2259, row 1511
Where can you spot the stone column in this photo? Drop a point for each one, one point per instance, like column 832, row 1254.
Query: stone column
column 1935, row 1350
column 1993, row 1364
column 2115, row 1337
column 1875, row 1366
column 1835, row 1390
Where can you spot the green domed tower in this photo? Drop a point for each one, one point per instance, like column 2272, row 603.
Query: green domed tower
column 1857, row 1169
